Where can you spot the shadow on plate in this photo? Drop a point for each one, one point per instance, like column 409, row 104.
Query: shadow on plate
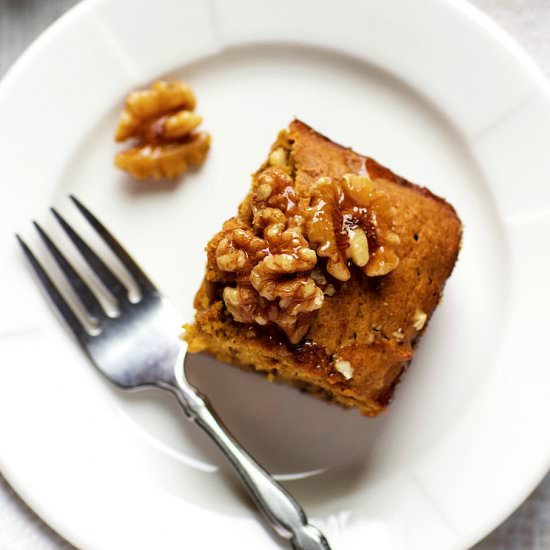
column 317, row 449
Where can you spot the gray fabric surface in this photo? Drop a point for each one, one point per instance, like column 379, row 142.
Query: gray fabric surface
column 527, row 20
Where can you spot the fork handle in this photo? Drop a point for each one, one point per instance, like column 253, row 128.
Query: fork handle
column 280, row 509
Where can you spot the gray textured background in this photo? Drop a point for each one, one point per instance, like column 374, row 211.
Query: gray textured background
column 527, row 20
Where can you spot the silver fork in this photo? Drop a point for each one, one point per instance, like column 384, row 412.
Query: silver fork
column 137, row 350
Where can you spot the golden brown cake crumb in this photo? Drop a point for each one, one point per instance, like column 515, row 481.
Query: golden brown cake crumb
column 163, row 123
column 328, row 274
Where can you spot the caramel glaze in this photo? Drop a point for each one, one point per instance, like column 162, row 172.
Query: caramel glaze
column 349, row 216
column 310, row 355
column 314, row 357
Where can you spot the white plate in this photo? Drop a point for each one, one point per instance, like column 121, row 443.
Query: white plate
column 430, row 88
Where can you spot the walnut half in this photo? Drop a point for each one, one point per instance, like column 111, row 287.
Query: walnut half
column 343, row 217
column 163, row 123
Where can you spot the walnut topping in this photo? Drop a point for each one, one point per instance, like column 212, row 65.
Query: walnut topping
column 342, row 220
column 329, row 290
column 278, row 157
column 291, row 314
column 419, row 319
column 272, row 262
column 245, row 305
column 239, row 251
column 163, row 122
column 364, row 192
column 264, row 191
column 277, row 258
column 319, row 278
column 322, row 231
column 269, row 278
column 358, row 249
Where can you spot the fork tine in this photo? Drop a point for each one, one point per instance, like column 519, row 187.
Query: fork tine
column 82, row 290
column 55, row 296
column 133, row 268
column 108, row 278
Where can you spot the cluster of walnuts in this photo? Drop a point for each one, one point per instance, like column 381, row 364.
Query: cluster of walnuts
column 163, row 124
column 270, row 258
column 280, row 257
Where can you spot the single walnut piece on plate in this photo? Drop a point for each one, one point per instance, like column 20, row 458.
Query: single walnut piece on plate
column 328, row 274
column 163, row 123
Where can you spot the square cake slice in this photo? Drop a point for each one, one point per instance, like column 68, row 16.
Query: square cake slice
column 328, row 274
